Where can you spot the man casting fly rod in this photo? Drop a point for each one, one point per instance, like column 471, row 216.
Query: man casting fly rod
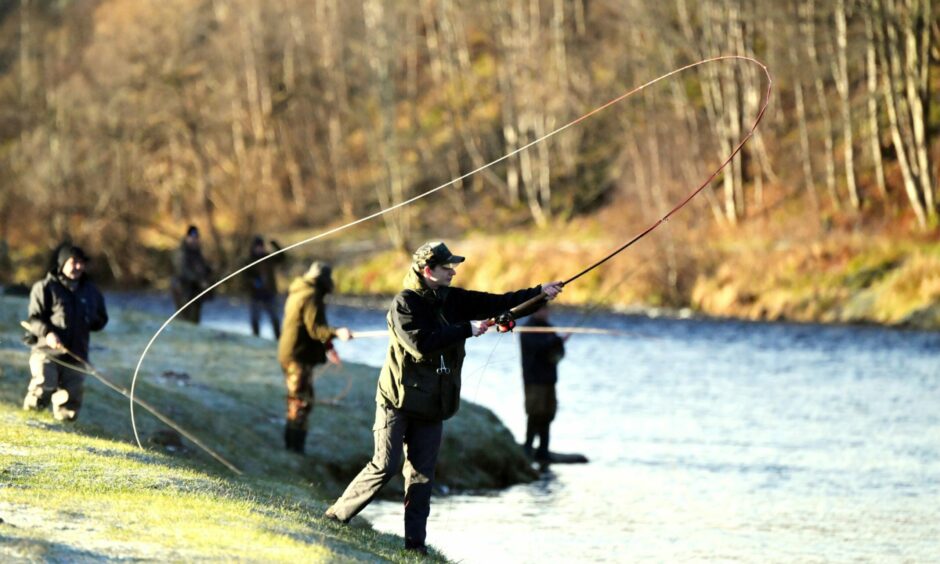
column 419, row 385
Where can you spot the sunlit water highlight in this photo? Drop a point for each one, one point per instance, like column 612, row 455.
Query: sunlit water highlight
column 708, row 440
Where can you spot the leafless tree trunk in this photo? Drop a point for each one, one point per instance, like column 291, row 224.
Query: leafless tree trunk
column 723, row 89
column 871, row 82
column 392, row 189
column 901, row 46
column 337, row 103
column 809, row 36
column 805, row 148
column 841, row 74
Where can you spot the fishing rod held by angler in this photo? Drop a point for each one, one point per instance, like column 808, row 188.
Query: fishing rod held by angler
column 507, row 320
column 378, row 333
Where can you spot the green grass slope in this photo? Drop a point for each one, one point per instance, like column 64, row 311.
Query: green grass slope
column 85, row 491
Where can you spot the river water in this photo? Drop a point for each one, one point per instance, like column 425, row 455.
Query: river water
column 708, row 440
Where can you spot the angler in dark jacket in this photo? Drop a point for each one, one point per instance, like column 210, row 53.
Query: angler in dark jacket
column 262, row 286
column 419, row 385
column 192, row 275
column 306, row 341
column 64, row 307
column 541, row 353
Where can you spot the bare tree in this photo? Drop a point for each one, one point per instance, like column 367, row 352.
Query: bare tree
column 840, row 71
column 808, row 26
column 871, row 83
column 905, row 86
column 393, row 186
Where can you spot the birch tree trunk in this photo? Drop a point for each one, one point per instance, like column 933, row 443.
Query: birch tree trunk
column 805, row 148
column 334, row 68
column 714, row 100
column 391, row 190
column 904, row 133
column 841, row 74
column 809, row 36
column 871, row 83
column 917, row 88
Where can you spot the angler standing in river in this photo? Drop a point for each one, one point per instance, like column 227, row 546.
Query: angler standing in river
column 64, row 307
column 419, row 385
column 541, row 353
column 306, row 342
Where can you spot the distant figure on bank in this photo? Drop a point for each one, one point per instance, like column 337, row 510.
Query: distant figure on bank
column 64, row 307
column 419, row 385
column 306, row 342
column 262, row 286
column 6, row 263
column 541, row 353
column 192, row 275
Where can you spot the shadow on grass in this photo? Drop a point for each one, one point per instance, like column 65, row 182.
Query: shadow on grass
column 42, row 550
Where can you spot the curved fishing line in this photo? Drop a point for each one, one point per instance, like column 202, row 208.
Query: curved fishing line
column 680, row 205
column 89, row 369
column 437, row 189
column 480, row 371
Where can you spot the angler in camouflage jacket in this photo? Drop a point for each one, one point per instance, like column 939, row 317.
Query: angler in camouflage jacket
column 306, row 342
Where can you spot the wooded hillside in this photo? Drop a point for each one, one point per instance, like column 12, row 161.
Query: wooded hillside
column 121, row 121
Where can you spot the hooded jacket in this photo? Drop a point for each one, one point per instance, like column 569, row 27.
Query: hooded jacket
column 69, row 309
column 427, row 332
column 305, row 334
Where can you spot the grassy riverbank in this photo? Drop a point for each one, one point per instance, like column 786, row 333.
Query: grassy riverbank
column 83, row 491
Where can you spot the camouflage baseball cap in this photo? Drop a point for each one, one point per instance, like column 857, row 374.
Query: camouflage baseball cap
column 434, row 253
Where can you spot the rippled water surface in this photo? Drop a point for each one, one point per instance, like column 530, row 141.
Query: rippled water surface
column 708, row 440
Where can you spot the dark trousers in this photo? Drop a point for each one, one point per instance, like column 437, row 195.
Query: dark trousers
column 181, row 297
column 420, row 441
column 537, row 427
column 541, row 404
column 266, row 305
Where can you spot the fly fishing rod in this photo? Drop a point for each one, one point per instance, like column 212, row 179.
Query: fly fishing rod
column 378, row 333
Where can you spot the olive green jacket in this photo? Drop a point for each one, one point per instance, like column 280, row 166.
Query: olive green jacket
column 427, row 332
column 305, row 334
